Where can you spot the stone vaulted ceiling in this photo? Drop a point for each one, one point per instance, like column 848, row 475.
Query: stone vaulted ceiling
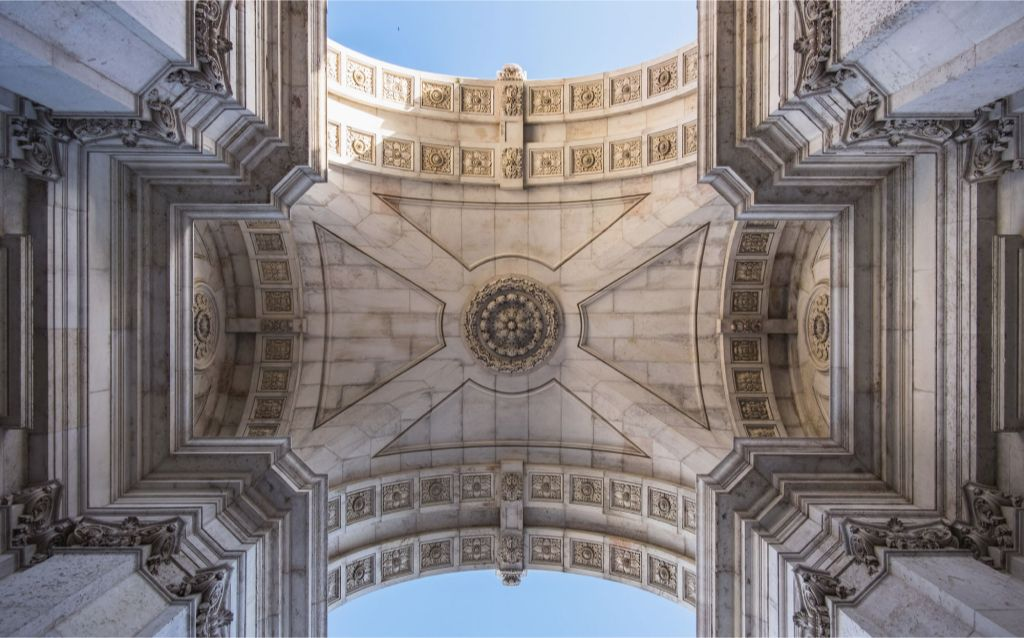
column 584, row 310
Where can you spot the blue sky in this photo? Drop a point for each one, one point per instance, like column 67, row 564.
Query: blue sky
column 475, row 603
column 549, row 40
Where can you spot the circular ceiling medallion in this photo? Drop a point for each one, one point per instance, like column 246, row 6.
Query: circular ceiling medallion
column 818, row 327
column 512, row 324
column 205, row 325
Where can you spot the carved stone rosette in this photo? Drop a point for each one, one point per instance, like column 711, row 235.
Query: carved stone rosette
column 814, row 588
column 512, row 324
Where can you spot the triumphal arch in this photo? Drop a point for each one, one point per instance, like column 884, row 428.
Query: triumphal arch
column 284, row 324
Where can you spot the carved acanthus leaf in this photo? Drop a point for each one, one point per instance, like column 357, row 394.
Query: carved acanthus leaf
column 39, row 504
column 814, row 589
column 212, row 48
column 817, row 72
column 864, row 123
column 990, row 136
column 33, row 141
column 861, row 538
column 163, row 537
column 211, row 585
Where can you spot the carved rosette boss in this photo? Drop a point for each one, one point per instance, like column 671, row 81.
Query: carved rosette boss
column 512, row 324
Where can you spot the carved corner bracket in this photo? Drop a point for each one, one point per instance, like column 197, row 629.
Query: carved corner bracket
column 814, row 588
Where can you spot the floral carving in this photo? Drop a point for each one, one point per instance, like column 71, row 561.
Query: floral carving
column 360, row 145
column 512, row 486
column 989, row 137
column 162, row 537
column 663, row 505
column 626, row 88
column 746, row 300
column 546, row 100
column 754, row 409
column 512, row 163
column 436, row 159
column 663, row 575
column 512, row 324
column 664, row 146
column 163, row 125
column 586, row 97
column 512, row 73
column 476, row 99
column 749, row 272
column 625, row 562
column 690, row 67
column 547, row 163
column 762, row 431
column 863, row 124
column 586, row 490
column 360, row 505
column 690, row 586
column 689, row 139
column 546, row 487
column 662, row 77
column 332, row 66
column 988, row 533
column 817, row 326
column 477, row 549
column 588, row 159
column 546, row 549
column 436, row 95
column 511, row 550
column 626, row 154
column 513, row 106
column 396, row 496
column 398, row 154
column 435, row 555
column 476, row 487
column 587, row 555
column 212, row 48
column 211, row 585
column 359, row 574
column 477, row 162
column 396, row 562
column 689, row 514
column 35, row 136
column 359, row 76
column 332, row 138
column 814, row 588
column 748, row 380
column 862, row 538
column 754, row 243
column 205, row 326
column 746, row 351
column 814, row 45
column 625, row 496
column 397, row 88
column 435, row 490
